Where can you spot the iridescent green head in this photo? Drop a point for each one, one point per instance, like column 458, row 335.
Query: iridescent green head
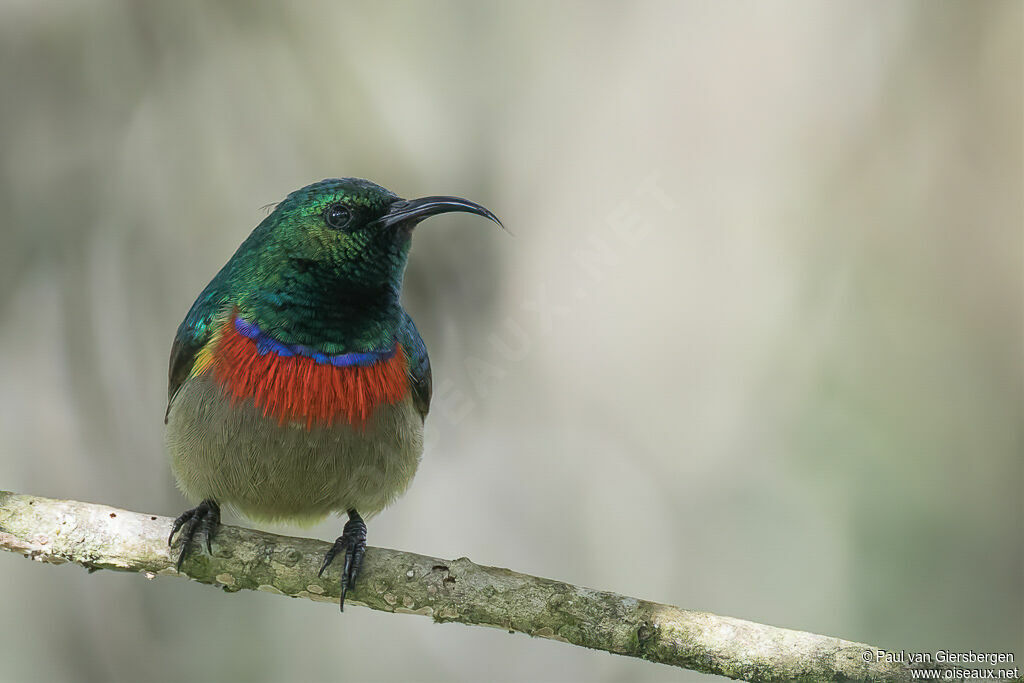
column 351, row 226
column 326, row 265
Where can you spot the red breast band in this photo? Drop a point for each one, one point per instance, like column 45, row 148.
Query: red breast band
column 299, row 389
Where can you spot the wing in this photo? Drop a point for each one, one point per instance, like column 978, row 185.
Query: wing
column 419, row 364
column 193, row 334
column 183, row 357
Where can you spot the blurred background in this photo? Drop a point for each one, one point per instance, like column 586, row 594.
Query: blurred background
column 759, row 325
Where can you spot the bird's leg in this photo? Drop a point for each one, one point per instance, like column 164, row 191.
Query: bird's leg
column 204, row 517
column 353, row 542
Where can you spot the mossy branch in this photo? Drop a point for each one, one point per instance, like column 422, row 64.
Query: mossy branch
column 101, row 537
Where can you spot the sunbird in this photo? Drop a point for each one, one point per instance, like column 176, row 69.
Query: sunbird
column 298, row 384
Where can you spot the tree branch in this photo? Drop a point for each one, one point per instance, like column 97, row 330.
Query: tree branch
column 101, row 537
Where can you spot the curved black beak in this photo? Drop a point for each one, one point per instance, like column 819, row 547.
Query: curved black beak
column 409, row 212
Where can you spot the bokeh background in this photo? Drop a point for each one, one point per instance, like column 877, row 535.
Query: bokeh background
column 755, row 346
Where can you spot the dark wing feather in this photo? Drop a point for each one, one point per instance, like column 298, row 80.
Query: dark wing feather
column 423, row 389
column 183, row 357
column 193, row 334
column 419, row 365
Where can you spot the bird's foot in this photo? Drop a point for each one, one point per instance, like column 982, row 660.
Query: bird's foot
column 353, row 542
column 204, row 518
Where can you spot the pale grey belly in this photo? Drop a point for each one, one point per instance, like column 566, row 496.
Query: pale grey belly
column 238, row 457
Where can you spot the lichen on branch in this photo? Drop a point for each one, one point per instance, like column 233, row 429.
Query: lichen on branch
column 101, row 537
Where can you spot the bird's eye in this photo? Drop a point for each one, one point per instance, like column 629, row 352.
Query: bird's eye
column 337, row 216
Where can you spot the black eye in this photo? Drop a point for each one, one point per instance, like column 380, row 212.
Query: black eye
column 337, row 216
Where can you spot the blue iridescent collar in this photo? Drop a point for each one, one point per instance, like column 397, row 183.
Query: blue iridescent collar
column 266, row 343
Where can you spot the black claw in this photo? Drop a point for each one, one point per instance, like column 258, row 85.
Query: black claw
column 353, row 542
column 204, row 518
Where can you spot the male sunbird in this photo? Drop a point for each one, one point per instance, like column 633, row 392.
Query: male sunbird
column 298, row 385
